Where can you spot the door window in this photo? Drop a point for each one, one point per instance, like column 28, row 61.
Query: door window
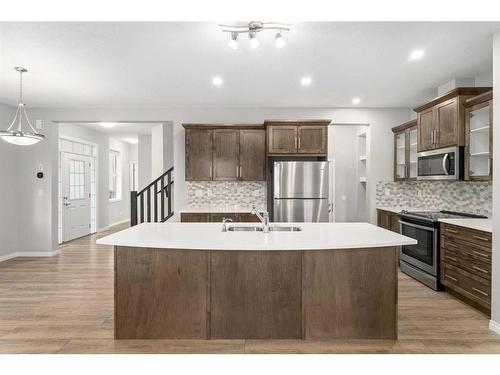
column 76, row 179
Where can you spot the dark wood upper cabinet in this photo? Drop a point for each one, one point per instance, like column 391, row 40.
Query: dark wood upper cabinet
column 426, row 129
column 447, row 133
column 252, row 155
column 297, row 137
column 312, row 139
column 441, row 122
column 226, row 154
column 282, row 139
column 199, row 154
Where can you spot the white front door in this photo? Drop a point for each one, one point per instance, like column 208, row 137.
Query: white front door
column 76, row 195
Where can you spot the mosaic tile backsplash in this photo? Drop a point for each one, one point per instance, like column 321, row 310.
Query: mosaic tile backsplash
column 472, row 197
column 226, row 193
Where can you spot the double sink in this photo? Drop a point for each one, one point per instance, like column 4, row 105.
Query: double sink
column 260, row 229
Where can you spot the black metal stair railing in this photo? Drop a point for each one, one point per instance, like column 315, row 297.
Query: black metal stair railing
column 154, row 203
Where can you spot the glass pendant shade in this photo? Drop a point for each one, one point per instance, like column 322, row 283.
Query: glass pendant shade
column 16, row 135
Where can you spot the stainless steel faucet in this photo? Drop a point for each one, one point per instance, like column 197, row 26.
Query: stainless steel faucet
column 264, row 218
column 224, row 225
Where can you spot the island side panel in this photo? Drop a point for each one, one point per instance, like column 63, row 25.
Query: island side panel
column 350, row 294
column 256, row 295
column 160, row 293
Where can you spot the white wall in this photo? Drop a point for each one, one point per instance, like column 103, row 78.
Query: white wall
column 9, row 185
column 119, row 210
column 145, row 160
column 342, row 149
column 495, row 282
column 156, row 151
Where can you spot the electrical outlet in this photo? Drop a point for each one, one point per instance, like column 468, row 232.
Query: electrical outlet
column 387, row 192
column 40, row 167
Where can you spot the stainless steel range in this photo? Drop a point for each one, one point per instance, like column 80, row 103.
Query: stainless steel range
column 421, row 261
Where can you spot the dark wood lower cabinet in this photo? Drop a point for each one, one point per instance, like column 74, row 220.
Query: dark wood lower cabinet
column 255, row 295
column 388, row 220
column 212, row 294
column 466, row 265
column 216, row 217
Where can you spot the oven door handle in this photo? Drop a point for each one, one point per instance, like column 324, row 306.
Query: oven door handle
column 430, row 229
column 445, row 160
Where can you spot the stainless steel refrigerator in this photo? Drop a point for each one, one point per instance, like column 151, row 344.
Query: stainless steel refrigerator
column 300, row 191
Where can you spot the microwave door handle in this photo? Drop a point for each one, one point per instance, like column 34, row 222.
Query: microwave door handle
column 445, row 160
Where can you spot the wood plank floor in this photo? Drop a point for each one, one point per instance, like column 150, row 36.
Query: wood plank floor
column 64, row 304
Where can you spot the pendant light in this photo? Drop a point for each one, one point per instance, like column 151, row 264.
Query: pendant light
column 16, row 135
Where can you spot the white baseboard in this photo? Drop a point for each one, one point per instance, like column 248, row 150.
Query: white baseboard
column 495, row 327
column 29, row 254
column 112, row 225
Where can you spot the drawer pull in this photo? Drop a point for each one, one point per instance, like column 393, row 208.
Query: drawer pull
column 451, row 231
column 450, row 258
column 480, row 269
column 480, row 292
column 480, row 254
column 480, row 238
column 450, row 277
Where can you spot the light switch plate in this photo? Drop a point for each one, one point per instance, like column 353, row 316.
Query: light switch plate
column 40, row 167
column 39, row 124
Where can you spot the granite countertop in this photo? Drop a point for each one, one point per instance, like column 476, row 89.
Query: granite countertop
column 485, row 225
column 209, row 236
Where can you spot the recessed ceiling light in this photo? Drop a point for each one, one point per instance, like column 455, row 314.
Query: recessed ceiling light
column 107, row 124
column 416, row 54
column 356, row 100
column 217, row 81
column 132, row 141
column 305, row 81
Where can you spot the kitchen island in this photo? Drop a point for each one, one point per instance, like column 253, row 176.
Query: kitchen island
column 194, row 281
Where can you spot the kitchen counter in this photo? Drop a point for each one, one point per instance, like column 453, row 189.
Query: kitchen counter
column 208, row 236
column 485, row 225
column 193, row 281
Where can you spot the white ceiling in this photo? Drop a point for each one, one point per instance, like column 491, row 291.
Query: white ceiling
column 124, row 131
column 172, row 64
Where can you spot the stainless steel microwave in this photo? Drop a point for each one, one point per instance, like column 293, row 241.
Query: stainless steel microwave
column 442, row 164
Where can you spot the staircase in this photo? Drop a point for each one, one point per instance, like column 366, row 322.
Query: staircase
column 153, row 203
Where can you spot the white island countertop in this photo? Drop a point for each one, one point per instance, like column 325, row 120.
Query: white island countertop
column 208, row 236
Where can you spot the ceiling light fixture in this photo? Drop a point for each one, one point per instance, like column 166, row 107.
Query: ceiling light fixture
column 217, row 81
column 18, row 136
column 279, row 42
column 305, row 81
column 107, row 124
column 233, row 42
column 356, row 100
column 252, row 29
column 416, row 54
column 132, row 141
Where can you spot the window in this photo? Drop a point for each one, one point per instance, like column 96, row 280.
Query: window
column 76, row 179
column 115, row 185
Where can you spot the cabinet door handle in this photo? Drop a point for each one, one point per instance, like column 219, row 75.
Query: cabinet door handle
column 296, row 143
column 432, row 137
column 299, row 142
column 450, row 258
column 480, row 238
column 451, row 231
column 480, row 292
column 480, row 269
column 450, row 277
column 241, row 173
column 480, row 254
